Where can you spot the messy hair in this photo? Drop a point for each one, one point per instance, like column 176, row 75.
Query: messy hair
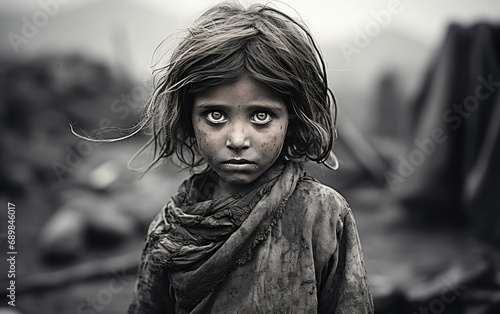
column 226, row 42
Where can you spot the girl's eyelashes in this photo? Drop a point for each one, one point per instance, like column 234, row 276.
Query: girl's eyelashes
column 216, row 117
column 261, row 118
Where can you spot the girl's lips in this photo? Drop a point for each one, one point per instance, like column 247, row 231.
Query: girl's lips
column 238, row 161
column 239, row 165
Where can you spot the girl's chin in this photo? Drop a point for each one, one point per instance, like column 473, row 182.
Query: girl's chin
column 235, row 183
column 240, row 182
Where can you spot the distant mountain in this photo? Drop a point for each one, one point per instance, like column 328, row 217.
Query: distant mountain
column 125, row 34
column 120, row 32
column 355, row 81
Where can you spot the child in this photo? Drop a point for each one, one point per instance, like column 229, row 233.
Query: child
column 245, row 94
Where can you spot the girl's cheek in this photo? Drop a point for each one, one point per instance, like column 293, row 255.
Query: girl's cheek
column 206, row 142
column 275, row 144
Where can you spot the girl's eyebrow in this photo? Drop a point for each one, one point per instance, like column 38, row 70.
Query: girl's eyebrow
column 255, row 107
column 265, row 108
column 207, row 106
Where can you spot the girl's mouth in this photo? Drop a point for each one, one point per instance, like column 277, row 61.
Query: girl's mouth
column 238, row 161
column 239, row 165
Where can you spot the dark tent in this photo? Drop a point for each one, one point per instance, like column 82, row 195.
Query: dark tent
column 452, row 171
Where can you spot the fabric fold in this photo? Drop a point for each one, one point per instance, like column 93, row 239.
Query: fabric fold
column 199, row 241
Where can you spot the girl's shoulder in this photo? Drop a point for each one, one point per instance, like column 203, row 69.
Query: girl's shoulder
column 323, row 216
column 311, row 190
column 320, row 199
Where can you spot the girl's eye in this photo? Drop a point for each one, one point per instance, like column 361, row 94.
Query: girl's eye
column 261, row 118
column 216, row 117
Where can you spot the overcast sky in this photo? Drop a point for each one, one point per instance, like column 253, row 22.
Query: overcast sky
column 421, row 18
column 415, row 29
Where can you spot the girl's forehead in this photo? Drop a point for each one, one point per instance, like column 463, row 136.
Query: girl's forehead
column 243, row 87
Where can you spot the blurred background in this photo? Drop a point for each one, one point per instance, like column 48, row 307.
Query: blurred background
column 417, row 85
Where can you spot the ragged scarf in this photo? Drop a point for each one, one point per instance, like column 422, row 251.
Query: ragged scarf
column 199, row 240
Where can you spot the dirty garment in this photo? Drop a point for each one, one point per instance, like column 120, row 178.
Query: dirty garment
column 289, row 244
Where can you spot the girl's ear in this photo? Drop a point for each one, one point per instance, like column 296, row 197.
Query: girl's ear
column 292, row 120
column 186, row 114
column 289, row 129
column 190, row 129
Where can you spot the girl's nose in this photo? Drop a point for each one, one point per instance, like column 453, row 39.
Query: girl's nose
column 238, row 139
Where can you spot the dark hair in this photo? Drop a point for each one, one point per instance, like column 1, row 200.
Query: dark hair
column 226, row 42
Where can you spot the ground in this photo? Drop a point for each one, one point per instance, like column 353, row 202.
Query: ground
column 409, row 266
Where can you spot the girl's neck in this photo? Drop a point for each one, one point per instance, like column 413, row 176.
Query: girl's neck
column 225, row 189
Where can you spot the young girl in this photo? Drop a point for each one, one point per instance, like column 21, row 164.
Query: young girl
column 245, row 94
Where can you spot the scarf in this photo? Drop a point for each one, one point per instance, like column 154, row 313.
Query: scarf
column 200, row 240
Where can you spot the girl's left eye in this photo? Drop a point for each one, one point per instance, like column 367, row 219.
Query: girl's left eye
column 216, row 117
column 261, row 118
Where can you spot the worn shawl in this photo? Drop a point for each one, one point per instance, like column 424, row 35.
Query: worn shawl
column 250, row 253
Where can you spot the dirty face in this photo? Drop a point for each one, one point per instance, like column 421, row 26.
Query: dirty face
column 240, row 128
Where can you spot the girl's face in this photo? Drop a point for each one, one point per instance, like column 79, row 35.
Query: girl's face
column 240, row 128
